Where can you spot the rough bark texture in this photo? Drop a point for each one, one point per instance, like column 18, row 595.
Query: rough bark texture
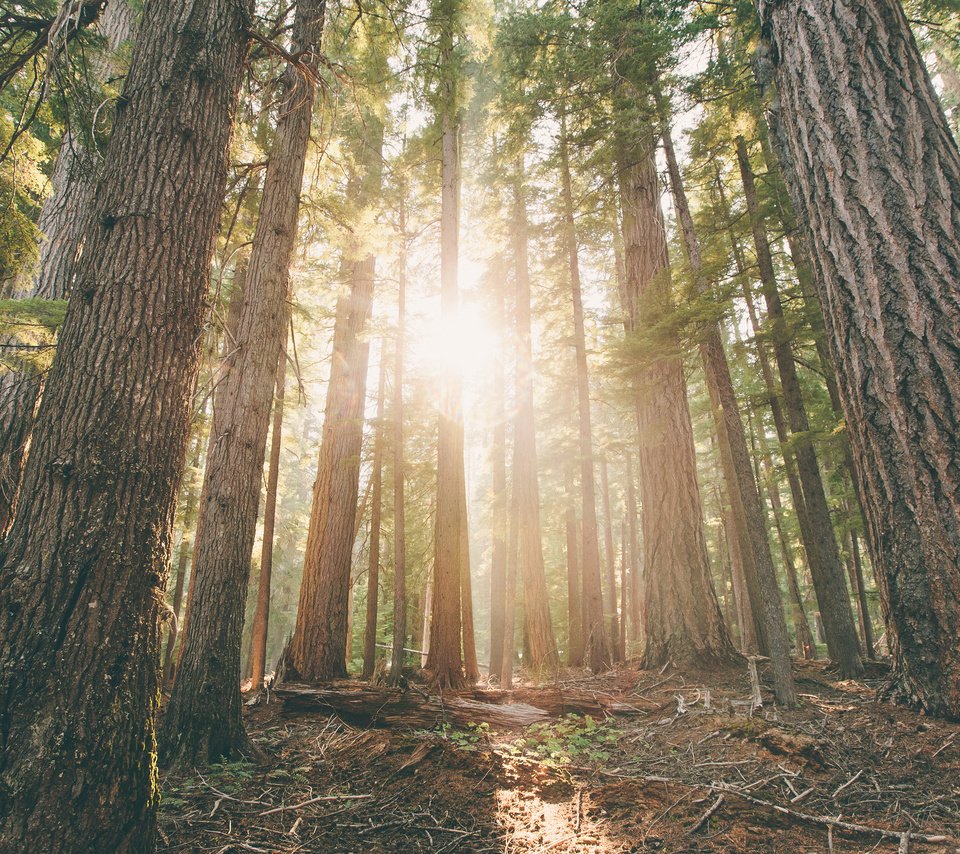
column 203, row 716
column 261, row 616
column 821, row 544
column 761, row 576
column 318, row 648
column 595, row 639
column 63, row 221
column 445, row 661
column 875, row 175
column 681, row 615
column 83, row 569
column 376, row 514
column 543, row 647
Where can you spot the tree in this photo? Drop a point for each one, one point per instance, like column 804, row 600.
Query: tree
column 681, row 615
column 99, row 487
column 203, row 721
column 875, row 176
column 376, row 514
column 261, row 617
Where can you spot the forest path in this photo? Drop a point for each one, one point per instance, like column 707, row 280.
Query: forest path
column 699, row 771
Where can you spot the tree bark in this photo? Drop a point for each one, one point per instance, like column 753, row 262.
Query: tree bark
column 63, row 221
column 399, row 501
column 575, row 639
column 761, row 576
column 611, row 562
column 543, row 647
column 822, row 552
column 633, row 555
column 596, row 643
column 261, row 617
column 445, row 662
column 498, row 455
column 510, row 600
column 681, row 615
column 84, row 565
column 203, row 719
column 376, row 513
column 318, row 648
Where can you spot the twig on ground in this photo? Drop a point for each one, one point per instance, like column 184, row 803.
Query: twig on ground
column 707, row 815
column 315, row 801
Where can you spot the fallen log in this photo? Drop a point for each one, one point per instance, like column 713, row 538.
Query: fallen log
column 396, row 707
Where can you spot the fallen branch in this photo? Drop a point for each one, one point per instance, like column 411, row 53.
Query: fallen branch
column 706, row 816
column 318, row 800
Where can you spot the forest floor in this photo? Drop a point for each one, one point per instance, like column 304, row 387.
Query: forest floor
column 695, row 768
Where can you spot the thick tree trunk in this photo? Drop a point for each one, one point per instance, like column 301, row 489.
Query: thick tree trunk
column 399, row 501
column 498, row 455
column 203, row 721
column 596, row 643
column 882, row 233
column 761, row 576
column 543, row 648
column 821, row 545
column 83, row 569
column 261, row 617
column 63, row 222
column 376, row 514
column 445, row 662
column 611, row 563
column 681, row 615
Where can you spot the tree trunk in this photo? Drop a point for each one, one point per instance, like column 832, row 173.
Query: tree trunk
column 63, row 221
column 376, row 513
column 184, row 560
column 399, row 502
column 498, row 563
column 471, row 667
column 624, row 587
column 575, row 639
column 822, row 552
column 318, row 648
column 633, row 555
column 203, row 720
column 510, row 600
column 611, row 562
column 83, row 568
column 543, row 648
column 681, row 615
column 747, row 511
column 596, row 643
column 862, row 606
column 261, row 617
column 445, row 662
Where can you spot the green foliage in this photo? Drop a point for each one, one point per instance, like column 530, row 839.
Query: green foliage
column 571, row 738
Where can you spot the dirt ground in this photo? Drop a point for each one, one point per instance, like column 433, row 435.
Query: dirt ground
column 694, row 768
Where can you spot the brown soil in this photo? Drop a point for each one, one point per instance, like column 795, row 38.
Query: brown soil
column 638, row 783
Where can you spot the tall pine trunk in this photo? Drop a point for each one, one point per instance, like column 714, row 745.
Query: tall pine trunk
column 83, row 569
column 261, row 616
column 203, row 720
column 681, row 615
column 445, row 661
column 376, row 514
column 821, row 544
column 498, row 459
column 611, row 563
column 761, row 576
column 875, row 176
column 543, row 647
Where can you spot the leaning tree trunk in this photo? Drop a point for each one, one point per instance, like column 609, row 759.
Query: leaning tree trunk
column 83, row 569
column 261, row 616
column 681, row 616
column 821, row 545
column 63, row 221
column 543, row 647
column 595, row 639
column 747, row 510
column 202, row 721
column 875, row 175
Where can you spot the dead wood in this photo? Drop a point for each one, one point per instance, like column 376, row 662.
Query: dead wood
column 394, row 707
